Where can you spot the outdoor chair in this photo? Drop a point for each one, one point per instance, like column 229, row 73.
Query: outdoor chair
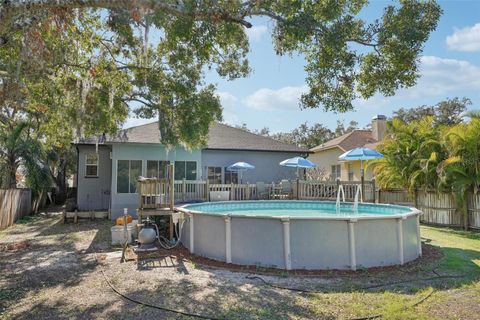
column 287, row 190
column 262, row 191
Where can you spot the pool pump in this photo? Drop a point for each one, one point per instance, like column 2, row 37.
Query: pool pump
column 149, row 234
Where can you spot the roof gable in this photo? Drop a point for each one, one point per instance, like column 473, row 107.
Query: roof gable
column 348, row 141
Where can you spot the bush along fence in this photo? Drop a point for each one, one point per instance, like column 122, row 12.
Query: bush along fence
column 437, row 207
column 14, row 204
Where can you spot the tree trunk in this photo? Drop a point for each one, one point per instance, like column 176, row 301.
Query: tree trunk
column 11, row 176
column 466, row 222
column 60, row 181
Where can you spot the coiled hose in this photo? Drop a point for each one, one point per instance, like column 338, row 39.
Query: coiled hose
column 164, row 242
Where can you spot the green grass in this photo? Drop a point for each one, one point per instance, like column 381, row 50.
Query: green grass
column 461, row 249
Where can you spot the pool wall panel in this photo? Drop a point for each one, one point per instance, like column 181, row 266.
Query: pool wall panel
column 257, row 242
column 209, row 235
column 319, row 244
column 186, row 233
column 410, row 246
column 376, row 242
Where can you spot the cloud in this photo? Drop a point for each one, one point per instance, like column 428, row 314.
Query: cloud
column 285, row 98
column 256, row 33
column 229, row 102
column 440, row 76
column 466, row 39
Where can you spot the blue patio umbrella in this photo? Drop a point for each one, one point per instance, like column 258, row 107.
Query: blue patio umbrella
column 360, row 154
column 298, row 162
column 240, row 167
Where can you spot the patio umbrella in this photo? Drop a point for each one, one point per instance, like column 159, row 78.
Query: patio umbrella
column 240, row 167
column 360, row 154
column 298, row 162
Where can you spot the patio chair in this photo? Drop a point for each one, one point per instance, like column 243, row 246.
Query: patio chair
column 262, row 191
column 287, row 189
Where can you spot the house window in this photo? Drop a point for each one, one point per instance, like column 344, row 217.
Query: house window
column 231, row 177
column 336, row 172
column 91, row 165
column 185, row 170
column 350, row 172
column 214, row 175
column 157, row 169
column 128, row 172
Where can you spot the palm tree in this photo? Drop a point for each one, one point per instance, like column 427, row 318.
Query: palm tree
column 18, row 149
column 461, row 170
column 411, row 155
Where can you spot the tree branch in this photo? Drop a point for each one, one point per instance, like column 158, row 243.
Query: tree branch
column 12, row 9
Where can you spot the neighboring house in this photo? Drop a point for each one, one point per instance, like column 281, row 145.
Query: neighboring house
column 108, row 171
column 326, row 155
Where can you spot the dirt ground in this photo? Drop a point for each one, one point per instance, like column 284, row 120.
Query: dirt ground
column 54, row 271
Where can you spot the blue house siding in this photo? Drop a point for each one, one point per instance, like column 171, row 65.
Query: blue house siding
column 93, row 193
column 144, row 152
column 267, row 168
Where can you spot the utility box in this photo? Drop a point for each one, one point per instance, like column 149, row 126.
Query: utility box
column 118, row 234
column 219, row 196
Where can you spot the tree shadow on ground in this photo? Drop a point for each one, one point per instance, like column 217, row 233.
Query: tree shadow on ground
column 59, row 257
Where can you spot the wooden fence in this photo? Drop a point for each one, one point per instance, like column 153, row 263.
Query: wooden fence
column 437, row 208
column 14, row 204
column 327, row 190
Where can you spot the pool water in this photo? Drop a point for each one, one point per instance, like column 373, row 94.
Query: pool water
column 294, row 208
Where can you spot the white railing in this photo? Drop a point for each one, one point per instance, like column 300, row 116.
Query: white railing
column 155, row 193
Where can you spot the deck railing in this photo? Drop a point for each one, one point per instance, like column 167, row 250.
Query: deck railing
column 155, row 193
column 438, row 208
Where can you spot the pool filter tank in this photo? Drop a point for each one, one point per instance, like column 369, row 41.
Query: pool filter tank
column 147, row 236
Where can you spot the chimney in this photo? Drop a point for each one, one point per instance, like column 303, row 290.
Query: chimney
column 379, row 127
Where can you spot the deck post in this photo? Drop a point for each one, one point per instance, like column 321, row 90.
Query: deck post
column 184, row 188
column 400, row 239
column 286, row 243
column 207, row 190
column 228, row 239
column 351, row 246
column 172, row 197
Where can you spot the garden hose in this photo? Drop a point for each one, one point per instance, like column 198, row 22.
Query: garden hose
column 375, row 316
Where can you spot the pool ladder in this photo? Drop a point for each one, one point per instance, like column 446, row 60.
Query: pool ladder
column 358, row 196
column 342, row 191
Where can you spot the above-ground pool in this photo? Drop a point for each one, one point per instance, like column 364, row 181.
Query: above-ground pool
column 302, row 234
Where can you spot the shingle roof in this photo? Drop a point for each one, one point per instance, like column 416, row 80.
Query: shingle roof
column 348, row 141
column 220, row 137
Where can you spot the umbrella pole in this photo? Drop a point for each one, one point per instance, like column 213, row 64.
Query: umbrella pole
column 362, row 178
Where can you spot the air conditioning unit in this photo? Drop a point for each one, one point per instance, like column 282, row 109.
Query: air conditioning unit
column 219, row 196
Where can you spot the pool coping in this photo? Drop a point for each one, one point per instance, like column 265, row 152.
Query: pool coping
column 413, row 211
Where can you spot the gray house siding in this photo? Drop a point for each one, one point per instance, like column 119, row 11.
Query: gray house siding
column 267, row 168
column 143, row 152
column 93, row 193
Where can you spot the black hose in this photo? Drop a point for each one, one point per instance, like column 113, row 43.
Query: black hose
column 362, row 288
column 375, row 316
column 193, row 315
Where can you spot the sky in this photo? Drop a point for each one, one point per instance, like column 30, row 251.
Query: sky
column 268, row 97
